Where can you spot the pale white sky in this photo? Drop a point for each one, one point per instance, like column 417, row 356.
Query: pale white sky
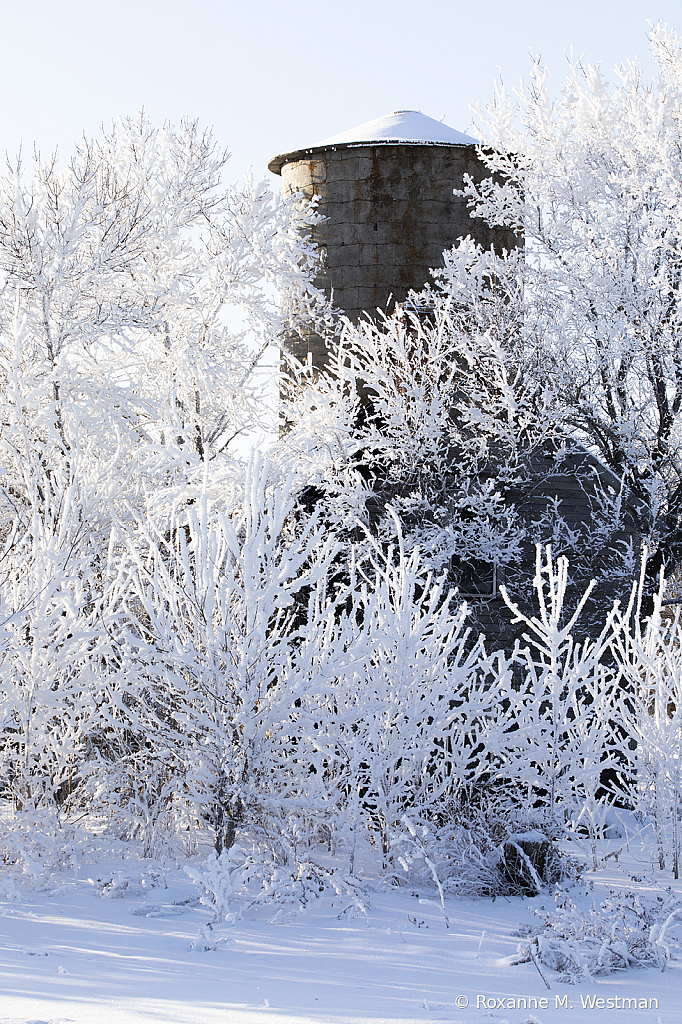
column 271, row 76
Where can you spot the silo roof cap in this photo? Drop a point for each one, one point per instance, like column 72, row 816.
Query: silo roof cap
column 402, row 126
column 409, row 127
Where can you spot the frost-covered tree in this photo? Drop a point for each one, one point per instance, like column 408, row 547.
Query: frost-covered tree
column 434, row 421
column 134, row 279
column 573, row 339
column 439, row 418
column 592, row 181
column 136, row 295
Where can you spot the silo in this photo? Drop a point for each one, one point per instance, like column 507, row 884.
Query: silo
column 386, row 191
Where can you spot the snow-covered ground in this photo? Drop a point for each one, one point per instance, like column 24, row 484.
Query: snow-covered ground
column 109, row 943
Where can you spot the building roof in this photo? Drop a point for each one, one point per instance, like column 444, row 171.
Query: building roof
column 406, row 127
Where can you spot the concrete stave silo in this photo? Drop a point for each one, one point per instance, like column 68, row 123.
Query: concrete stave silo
column 385, row 189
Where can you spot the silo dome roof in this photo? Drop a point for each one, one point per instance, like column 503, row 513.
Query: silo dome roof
column 407, row 127
column 402, row 126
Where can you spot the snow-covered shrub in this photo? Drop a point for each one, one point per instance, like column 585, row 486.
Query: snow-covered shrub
column 207, row 941
column 650, row 715
column 464, row 855
column 411, row 848
column 118, row 884
column 625, row 930
column 55, row 646
column 35, row 843
column 528, row 861
column 210, row 679
column 239, row 879
column 560, row 702
column 124, row 778
column 8, row 889
column 278, row 696
column 459, row 860
column 402, row 695
column 220, row 876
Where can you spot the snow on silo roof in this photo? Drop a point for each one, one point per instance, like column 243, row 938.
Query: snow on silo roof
column 400, row 126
